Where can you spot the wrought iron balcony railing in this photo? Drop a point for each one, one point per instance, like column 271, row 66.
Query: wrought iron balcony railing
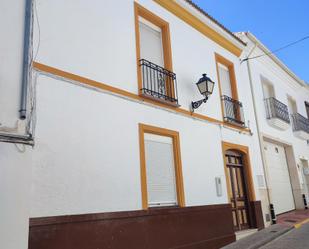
column 233, row 111
column 158, row 82
column 276, row 109
column 300, row 123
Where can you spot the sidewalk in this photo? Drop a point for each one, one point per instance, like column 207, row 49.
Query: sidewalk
column 260, row 238
column 293, row 218
column 285, row 223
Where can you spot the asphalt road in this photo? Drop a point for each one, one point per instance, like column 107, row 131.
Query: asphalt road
column 297, row 238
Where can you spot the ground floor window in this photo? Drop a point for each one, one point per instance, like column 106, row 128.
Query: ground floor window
column 161, row 173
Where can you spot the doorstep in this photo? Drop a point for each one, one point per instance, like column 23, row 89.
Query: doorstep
column 244, row 233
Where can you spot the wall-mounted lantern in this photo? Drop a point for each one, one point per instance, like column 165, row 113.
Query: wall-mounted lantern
column 206, row 86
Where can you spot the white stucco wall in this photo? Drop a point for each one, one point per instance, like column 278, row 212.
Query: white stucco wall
column 11, row 59
column 15, row 165
column 82, row 145
column 101, row 46
column 86, row 154
column 15, row 183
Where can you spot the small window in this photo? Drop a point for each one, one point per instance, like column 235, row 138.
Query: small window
column 160, row 171
column 161, row 167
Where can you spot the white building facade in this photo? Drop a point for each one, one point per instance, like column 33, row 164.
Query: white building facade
column 281, row 105
column 108, row 151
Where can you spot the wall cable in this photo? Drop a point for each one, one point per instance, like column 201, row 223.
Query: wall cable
column 276, row 50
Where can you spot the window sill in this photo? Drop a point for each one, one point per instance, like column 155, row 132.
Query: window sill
column 235, row 124
column 162, row 101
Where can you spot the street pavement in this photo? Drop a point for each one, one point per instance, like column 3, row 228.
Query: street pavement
column 260, row 238
column 297, row 238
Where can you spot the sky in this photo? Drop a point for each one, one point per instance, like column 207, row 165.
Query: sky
column 275, row 23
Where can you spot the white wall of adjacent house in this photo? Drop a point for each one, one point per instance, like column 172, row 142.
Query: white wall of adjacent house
column 86, row 157
column 15, row 160
column 270, row 80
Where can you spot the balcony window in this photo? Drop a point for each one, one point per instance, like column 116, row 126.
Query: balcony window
column 300, row 126
column 232, row 108
column 158, row 82
column 277, row 113
column 156, row 79
column 233, row 111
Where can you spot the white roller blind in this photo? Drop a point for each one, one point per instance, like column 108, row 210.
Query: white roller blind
column 151, row 47
column 225, row 80
column 160, row 171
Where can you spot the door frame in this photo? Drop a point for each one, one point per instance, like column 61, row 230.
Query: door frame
column 244, row 150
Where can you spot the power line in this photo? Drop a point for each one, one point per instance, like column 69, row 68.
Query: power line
column 276, row 50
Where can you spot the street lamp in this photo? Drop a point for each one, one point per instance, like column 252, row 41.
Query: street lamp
column 206, row 86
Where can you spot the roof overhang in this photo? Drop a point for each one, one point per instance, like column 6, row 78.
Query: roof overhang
column 274, row 58
column 199, row 20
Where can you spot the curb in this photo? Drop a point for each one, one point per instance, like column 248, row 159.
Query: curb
column 266, row 241
column 298, row 225
column 260, row 238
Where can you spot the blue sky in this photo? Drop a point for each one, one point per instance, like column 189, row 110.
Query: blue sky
column 274, row 22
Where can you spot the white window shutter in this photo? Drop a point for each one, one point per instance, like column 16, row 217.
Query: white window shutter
column 160, row 171
column 225, row 80
column 151, row 47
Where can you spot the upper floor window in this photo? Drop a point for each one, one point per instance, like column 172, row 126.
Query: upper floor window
column 268, row 89
column 225, row 80
column 156, row 79
column 231, row 107
column 151, row 47
column 277, row 113
column 300, row 123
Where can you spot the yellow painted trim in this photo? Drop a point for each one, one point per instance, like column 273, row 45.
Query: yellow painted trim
column 247, row 163
column 82, row 80
column 194, row 22
column 177, row 158
column 298, row 225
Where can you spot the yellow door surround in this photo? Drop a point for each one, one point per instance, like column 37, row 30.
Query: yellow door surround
column 244, row 150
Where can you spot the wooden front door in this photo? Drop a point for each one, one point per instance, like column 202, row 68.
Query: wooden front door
column 237, row 190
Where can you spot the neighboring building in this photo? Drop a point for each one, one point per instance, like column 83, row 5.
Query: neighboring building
column 15, row 160
column 120, row 160
column 281, row 105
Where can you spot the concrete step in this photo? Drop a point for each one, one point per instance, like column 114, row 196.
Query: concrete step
column 245, row 233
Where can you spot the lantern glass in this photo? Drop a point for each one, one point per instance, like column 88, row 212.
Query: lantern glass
column 205, row 85
column 210, row 86
column 202, row 87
